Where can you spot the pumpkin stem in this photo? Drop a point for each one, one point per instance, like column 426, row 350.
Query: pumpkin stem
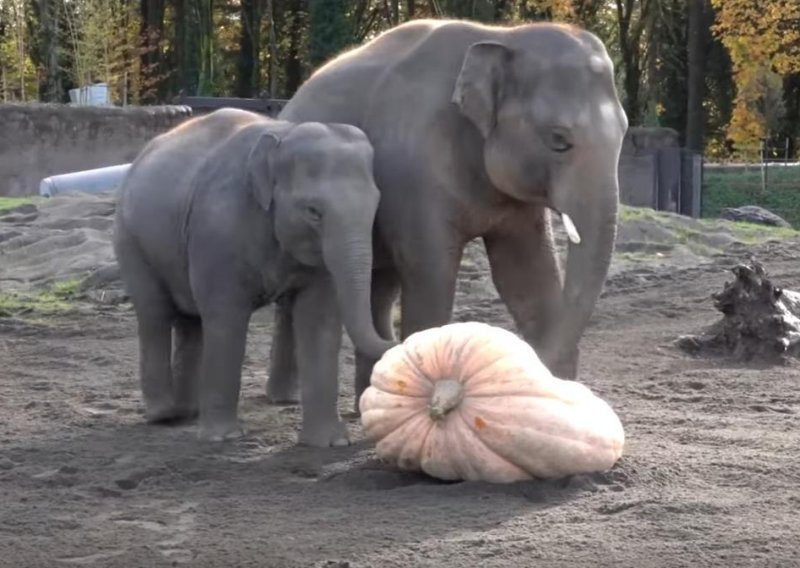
column 446, row 396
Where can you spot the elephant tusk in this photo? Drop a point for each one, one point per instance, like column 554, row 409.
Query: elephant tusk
column 572, row 231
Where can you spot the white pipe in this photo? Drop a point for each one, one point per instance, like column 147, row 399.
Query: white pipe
column 98, row 180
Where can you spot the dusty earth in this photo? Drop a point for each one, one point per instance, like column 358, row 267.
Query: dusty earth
column 710, row 475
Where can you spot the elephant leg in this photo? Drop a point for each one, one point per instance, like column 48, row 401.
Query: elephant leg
column 155, row 369
column 155, row 314
column 282, row 386
column 224, row 344
column 428, row 288
column 385, row 289
column 526, row 274
column 186, row 364
column 317, row 330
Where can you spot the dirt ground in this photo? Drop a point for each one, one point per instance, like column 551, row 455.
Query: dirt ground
column 710, row 475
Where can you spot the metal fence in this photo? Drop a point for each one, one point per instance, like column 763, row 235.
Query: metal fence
column 774, row 185
column 678, row 181
column 201, row 105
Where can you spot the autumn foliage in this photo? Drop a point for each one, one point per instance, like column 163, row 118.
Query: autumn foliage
column 763, row 39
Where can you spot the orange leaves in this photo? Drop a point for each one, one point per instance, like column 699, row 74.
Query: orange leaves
column 763, row 39
column 561, row 10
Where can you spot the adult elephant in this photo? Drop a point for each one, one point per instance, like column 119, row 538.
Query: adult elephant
column 478, row 131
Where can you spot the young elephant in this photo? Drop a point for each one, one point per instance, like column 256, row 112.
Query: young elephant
column 225, row 214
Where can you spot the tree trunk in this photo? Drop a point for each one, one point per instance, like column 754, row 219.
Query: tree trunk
column 51, row 88
column 500, row 7
column 330, row 32
column 249, row 49
column 294, row 63
column 205, row 19
column 760, row 321
column 412, row 9
column 629, row 37
column 186, row 51
column 273, row 50
column 698, row 33
column 152, row 30
column 791, row 90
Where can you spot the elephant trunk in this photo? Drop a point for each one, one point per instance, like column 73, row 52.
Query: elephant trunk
column 349, row 260
column 588, row 261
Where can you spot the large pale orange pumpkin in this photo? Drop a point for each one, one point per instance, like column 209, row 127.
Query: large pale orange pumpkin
column 474, row 402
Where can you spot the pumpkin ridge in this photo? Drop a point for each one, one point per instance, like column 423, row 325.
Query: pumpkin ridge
column 597, row 412
column 403, row 394
column 477, row 436
column 423, row 445
column 569, row 441
column 415, row 368
column 407, row 419
column 492, row 395
column 484, row 367
column 457, row 353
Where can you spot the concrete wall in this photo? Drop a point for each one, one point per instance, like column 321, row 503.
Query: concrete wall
column 41, row 140
column 38, row 140
column 638, row 163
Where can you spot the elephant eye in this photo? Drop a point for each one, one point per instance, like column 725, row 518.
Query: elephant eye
column 313, row 213
column 559, row 141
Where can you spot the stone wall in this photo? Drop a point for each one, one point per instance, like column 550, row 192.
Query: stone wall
column 39, row 140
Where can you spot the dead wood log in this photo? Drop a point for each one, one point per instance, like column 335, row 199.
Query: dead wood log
column 760, row 321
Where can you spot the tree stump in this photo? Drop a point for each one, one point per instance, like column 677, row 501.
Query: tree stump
column 760, row 321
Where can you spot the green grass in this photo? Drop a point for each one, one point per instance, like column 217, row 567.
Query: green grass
column 7, row 203
column 723, row 189
column 59, row 298
column 697, row 234
column 629, row 213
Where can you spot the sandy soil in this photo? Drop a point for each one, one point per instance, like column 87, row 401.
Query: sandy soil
column 710, row 476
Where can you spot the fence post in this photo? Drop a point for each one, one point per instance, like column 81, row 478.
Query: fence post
column 763, row 165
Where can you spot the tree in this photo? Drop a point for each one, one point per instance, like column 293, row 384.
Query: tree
column 763, row 40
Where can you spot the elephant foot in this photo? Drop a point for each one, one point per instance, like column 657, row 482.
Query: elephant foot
column 325, row 435
column 280, row 393
column 352, row 414
column 282, row 399
column 564, row 369
column 221, row 431
column 170, row 414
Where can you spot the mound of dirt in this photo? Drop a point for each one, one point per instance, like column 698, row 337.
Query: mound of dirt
column 68, row 238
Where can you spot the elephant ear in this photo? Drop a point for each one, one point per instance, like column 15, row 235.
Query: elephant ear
column 261, row 168
column 480, row 82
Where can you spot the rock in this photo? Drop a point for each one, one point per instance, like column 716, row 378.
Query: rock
column 754, row 214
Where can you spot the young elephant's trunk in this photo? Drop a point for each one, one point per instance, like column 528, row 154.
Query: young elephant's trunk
column 350, row 263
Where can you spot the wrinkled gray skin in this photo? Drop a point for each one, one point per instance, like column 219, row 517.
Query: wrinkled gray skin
column 477, row 132
column 223, row 215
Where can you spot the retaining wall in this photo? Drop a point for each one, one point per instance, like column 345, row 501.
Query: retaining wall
column 39, row 140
